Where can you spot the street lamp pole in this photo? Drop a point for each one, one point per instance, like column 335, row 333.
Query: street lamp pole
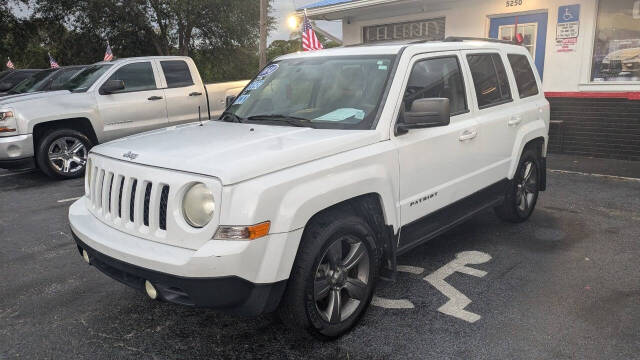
column 263, row 32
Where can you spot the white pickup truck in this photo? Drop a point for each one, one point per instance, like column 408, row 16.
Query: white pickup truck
column 105, row 101
column 326, row 167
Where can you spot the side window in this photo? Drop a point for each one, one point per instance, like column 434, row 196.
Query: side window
column 526, row 80
column 437, row 78
column 136, row 77
column 490, row 79
column 177, row 73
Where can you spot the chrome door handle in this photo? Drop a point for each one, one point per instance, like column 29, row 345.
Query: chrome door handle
column 468, row 135
column 195, row 93
column 155, row 98
column 515, row 120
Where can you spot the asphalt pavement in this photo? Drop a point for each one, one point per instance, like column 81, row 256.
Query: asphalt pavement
column 564, row 285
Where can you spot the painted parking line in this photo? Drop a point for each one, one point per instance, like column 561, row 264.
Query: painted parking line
column 17, row 173
column 391, row 303
column 457, row 300
column 69, row 199
column 595, row 175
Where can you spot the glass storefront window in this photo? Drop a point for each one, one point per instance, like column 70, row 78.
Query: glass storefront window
column 616, row 54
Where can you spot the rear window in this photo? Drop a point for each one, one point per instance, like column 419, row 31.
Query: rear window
column 177, row 73
column 490, row 80
column 526, row 80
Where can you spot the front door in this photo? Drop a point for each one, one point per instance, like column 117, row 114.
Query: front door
column 139, row 107
column 532, row 28
column 439, row 165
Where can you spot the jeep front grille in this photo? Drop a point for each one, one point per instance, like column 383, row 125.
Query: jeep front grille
column 129, row 200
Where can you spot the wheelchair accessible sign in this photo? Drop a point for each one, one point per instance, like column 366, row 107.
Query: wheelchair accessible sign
column 568, row 28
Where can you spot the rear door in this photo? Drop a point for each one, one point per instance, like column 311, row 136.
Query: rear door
column 184, row 94
column 139, row 107
column 530, row 100
column 495, row 113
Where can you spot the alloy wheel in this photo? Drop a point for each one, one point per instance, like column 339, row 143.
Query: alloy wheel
column 342, row 279
column 527, row 188
column 67, row 155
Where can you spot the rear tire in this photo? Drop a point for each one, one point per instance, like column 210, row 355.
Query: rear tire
column 333, row 277
column 62, row 154
column 522, row 192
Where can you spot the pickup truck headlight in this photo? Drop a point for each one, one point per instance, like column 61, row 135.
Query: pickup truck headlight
column 7, row 122
column 198, row 205
column 5, row 115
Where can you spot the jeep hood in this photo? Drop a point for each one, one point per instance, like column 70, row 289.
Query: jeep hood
column 233, row 152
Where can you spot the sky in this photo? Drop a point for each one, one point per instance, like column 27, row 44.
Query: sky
column 283, row 8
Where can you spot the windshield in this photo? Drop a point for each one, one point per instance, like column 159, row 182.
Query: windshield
column 320, row 92
column 85, row 78
column 33, row 83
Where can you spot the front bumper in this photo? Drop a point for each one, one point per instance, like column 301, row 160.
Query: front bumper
column 16, row 151
column 242, row 277
column 232, row 294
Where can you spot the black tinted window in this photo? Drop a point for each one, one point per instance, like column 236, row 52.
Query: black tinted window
column 437, row 78
column 136, row 77
column 177, row 73
column 490, row 79
column 523, row 73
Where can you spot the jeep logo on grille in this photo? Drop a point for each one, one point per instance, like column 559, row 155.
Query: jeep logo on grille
column 130, row 155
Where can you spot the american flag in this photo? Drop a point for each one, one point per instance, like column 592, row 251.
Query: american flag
column 52, row 62
column 10, row 64
column 108, row 55
column 310, row 41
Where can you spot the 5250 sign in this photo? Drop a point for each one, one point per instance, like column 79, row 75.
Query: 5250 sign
column 510, row 3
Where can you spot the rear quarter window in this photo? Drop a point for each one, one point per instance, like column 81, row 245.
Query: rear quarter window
column 525, row 78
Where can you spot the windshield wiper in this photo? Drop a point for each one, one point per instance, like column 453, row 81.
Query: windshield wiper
column 228, row 116
column 291, row 120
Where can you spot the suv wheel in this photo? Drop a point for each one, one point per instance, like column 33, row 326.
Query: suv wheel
column 63, row 153
column 522, row 193
column 333, row 277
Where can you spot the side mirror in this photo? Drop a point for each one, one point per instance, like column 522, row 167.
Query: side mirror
column 112, row 86
column 230, row 100
column 425, row 113
column 5, row 86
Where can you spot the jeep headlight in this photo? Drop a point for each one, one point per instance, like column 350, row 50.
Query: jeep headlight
column 198, row 205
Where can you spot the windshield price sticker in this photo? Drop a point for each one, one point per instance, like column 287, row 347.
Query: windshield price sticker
column 268, row 70
column 255, row 85
column 241, row 99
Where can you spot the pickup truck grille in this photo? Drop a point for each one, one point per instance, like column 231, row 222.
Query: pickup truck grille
column 111, row 194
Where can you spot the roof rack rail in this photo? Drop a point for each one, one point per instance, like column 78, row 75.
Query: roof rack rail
column 463, row 38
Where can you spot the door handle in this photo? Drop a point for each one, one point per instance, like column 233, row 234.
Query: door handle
column 155, row 98
column 515, row 120
column 468, row 135
column 195, row 93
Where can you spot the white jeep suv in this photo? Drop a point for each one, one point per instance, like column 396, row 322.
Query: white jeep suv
column 328, row 166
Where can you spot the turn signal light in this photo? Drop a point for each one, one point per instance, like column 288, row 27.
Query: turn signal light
column 6, row 129
column 243, row 232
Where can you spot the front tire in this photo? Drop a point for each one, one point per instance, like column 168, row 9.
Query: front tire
column 523, row 190
column 62, row 154
column 333, row 277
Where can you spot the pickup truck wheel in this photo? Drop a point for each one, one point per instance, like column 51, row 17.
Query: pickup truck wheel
column 63, row 153
column 523, row 190
column 333, row 277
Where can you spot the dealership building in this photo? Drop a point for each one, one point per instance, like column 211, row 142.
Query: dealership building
column 586, row 51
